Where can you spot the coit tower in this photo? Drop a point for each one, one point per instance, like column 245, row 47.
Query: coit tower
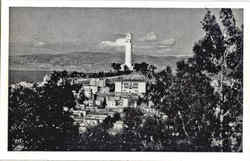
column 128, row 51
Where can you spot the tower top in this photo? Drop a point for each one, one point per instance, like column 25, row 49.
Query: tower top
column 129, row 37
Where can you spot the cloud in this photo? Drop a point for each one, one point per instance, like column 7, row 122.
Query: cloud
column 120, row 34
column 167, row 43
column 38, row 43
column 112, row 44
column 161, row 45
column 105, row 44
column 153, row 48
column 151, row 36
column 144, row 46
column 149, row 43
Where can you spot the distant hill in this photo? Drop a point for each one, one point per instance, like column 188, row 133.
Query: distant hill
column 83, row 61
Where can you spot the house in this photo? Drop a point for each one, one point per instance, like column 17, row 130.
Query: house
column 118, row 125
column 133, row 83
column 89, row 103
column 99, row 82
column 90, row 90
column 113, row 102
column 104, row 90
column 120, row 101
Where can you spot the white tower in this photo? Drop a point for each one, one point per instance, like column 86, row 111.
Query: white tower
column 128, row 51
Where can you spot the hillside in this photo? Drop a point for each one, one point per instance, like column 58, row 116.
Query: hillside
column 83, row 61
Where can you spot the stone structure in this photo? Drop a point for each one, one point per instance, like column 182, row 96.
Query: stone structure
column 128, row 52
column 133, row 83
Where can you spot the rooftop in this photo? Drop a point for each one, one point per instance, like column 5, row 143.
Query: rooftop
column 134, row 76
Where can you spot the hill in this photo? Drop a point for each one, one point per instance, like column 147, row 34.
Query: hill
column 83, row 61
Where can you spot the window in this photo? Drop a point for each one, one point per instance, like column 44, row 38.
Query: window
column 126, row 85
column 135, row 85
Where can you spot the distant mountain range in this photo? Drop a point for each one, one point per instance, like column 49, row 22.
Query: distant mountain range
column 84, row 61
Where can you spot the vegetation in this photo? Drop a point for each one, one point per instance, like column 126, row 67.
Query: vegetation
column 81, row 97
column 98, row 74
column 116, row 66
column 39, row 116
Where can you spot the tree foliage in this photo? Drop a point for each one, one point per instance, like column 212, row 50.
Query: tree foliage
column 205, row 98
column 116, row 66
column 40, row 117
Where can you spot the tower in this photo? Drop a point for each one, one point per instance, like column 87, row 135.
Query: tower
column 128, row 51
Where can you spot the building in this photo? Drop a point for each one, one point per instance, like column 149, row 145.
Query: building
column 97, row 82
column 128, row 52
column 89, row 91
column 113, row 102
column 133, row 83
column 130, row 86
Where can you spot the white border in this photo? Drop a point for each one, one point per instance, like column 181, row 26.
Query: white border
column 171, row 156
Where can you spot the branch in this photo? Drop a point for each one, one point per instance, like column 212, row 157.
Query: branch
column 240, row 147
column 183, row 125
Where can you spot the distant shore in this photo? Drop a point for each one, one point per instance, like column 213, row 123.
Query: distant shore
column 16, row 76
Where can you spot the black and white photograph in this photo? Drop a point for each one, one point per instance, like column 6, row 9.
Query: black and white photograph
column 125, row 79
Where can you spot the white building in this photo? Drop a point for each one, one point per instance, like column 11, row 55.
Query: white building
column 113, row 102
column 97, row 82
column 117, row 102
column 90, row 90
column 133, row 83
column 130, row 86
column 128, row 52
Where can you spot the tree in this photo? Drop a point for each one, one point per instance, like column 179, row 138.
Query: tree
column 45, row 121
column 116, row 66
column 188, row 102
column 153, row 134
column 22, row 101
column 142, row 67
column 151, row 71
column 126, row 69
column 218, row 59
column 159, row 89
column 204, row 99
column 97, row 138
column 224, row 51
column 82, row 96
column 132, row 118
column 55, row 103
column 232, row 81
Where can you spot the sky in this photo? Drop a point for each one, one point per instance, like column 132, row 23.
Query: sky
column 156, row 32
